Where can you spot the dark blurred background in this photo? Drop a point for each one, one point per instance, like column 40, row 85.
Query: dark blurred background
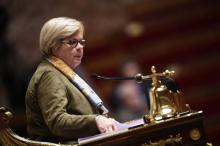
column 183, row 35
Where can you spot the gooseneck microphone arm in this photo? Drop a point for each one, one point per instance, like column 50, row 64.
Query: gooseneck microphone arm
column 138, row 77
column 96, row 76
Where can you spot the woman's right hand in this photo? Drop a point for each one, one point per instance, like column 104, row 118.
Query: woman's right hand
column 105, row 124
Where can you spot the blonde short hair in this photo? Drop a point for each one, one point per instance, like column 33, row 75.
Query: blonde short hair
column 56, row 29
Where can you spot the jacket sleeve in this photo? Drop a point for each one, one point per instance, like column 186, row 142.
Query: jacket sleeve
column 52, row 99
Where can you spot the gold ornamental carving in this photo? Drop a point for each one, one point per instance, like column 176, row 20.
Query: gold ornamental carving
column 169, row 141
column 195, row 134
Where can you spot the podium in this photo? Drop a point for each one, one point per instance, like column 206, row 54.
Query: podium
column 186, row 130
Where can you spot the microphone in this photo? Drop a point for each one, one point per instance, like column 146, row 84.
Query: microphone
column 138, row 77
column 96, row 76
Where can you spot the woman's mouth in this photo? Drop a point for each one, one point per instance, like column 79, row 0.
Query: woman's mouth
column 78, row 57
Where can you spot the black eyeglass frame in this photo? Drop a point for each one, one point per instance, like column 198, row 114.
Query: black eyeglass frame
column 74, row 42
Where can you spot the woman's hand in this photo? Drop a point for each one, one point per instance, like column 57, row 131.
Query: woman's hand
column 105, row 124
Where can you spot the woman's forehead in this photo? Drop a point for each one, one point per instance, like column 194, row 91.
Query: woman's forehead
column 77, row 35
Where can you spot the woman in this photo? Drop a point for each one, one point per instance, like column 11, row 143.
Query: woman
column 60, row 106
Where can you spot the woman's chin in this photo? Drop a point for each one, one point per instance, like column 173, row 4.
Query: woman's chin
column 76, row 63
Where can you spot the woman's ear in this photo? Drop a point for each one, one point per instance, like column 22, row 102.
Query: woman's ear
column 54, row 50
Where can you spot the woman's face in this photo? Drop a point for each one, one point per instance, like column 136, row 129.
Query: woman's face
column 71, row 50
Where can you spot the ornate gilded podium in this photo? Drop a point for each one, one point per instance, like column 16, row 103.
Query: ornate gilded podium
column 170, row 122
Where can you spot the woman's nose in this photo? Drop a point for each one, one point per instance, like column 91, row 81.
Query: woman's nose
column 79, row 47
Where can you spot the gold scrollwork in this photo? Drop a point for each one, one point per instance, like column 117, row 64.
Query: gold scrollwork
column 169, row 141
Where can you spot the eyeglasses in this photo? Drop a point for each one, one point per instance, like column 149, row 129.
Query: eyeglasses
column 74, row 42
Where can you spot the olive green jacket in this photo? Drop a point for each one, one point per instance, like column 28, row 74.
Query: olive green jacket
column 56, row 110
